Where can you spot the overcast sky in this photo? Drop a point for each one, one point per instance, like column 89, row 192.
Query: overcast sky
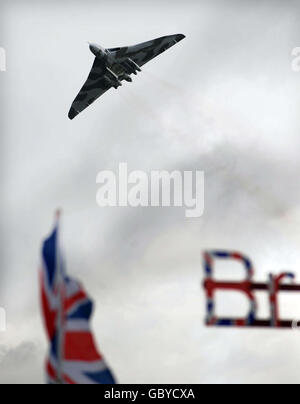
column 224, row 101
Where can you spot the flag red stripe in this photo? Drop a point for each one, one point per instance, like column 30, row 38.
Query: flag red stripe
column 81, row 295
column 80, row 346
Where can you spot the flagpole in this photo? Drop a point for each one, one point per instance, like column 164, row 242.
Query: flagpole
column 60, row 320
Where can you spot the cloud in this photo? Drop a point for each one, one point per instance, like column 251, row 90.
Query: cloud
column 19, row 364
column 20, row 354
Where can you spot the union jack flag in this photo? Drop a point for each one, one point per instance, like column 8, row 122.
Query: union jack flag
column 67, row 309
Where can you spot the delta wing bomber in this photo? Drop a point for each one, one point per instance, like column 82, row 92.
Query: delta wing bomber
column 112, row 66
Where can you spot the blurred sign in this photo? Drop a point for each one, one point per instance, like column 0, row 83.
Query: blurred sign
column 273, row 287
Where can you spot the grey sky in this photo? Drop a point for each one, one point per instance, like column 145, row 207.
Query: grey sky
column 224, row 101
